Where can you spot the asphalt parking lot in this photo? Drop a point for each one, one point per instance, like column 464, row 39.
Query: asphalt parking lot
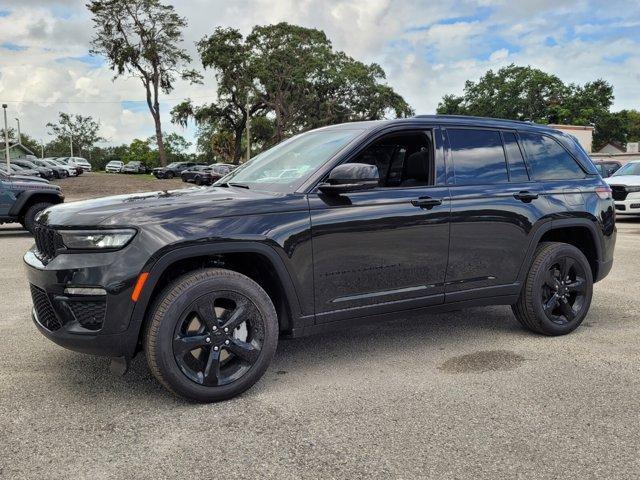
column 467, row 394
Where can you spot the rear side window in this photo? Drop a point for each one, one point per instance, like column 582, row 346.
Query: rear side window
column 548, row 159
column 517, row 170
column 478, row 156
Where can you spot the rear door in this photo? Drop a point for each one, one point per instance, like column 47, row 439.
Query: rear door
column 494, row 206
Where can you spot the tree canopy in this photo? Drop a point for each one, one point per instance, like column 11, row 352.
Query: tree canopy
column 526, row 93
column 83, row 130
column 287, row 79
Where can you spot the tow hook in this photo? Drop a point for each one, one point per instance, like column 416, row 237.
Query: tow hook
column 119, row 365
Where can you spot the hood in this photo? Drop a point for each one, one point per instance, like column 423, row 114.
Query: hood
column 170, row 206
column 633, row 180
column 28, row 181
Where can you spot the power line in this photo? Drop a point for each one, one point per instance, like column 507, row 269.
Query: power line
column 76, row 102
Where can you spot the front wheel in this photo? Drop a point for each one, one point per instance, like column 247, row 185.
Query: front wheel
column 212, row 335
column 28, row 220
column 556, row 295
column 170, row 175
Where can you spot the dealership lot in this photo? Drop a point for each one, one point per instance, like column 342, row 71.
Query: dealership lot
column 467, row 394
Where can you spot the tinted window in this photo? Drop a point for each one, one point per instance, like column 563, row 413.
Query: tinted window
column 478, row 156
column 517, row 170
column 548, row 160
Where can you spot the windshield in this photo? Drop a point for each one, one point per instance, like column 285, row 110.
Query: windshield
column 286, row 166
column 173, row 165
column 628, row 169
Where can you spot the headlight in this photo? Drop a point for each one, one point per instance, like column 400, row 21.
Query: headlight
column 96, row 239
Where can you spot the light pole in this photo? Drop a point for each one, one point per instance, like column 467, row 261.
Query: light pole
column 71, row 144
column 6, row 140
column 19, row 136
column 41, row 148
column 248, row 134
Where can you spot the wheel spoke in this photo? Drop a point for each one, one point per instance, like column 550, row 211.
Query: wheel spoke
column 550, row 280
column 182, row 345
column 567, row 310
column 578, row 285
column 550, row 304
column 211, row 373
column 207, row 313
column 566, row 265
column 243, row 350
column 237, row 316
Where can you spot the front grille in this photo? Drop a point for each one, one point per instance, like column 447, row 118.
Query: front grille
column 89, row 314
column 48, row 241
column 44, row 310
column 619, row 192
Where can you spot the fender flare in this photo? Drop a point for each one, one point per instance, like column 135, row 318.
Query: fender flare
column 159, row 263
column 23, row 198
column 553, row 225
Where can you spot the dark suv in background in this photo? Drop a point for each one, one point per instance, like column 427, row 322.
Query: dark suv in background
column 173, row 169
column 328, row 229
column 21, row 199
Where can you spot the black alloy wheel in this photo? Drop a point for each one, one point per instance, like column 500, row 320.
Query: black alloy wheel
column 557, row 291
column 169, row 174
column 198, row 180
column 563, row 292
column 218, row 338
column 211, row 335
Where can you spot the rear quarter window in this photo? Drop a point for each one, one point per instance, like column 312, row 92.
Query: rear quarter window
column 548, row 159
column 478, row 156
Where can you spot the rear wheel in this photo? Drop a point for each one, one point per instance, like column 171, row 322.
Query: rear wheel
column 170, row 174
column 212, row 335
column 28, row 220
column 557, row 292
column 198, row 180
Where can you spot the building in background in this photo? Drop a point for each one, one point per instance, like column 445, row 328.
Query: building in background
column 15, row 150
column 584, row 134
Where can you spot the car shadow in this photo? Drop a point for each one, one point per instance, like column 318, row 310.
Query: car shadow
column 89, row 377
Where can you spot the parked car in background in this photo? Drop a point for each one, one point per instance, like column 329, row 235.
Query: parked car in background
column 21, row 178
column 205, row 174
column 70, row 163
column 58, row 171
column 114, row 166
column 18, row 170
column 21, row 200
column 134, row 167
column 173, row 169
column 625, row 185
column 606, row 168
column 327, row 228
column 44, row 172
column 79, row 162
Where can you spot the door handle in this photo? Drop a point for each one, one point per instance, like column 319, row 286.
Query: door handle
column 525, row 196
column 426, row 202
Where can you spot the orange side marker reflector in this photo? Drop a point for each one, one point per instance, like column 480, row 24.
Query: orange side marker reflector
column 139, row 284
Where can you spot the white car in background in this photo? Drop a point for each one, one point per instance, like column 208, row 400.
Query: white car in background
column 72, row 171
column 625, row 187
column 80, row 162
column 114, row 166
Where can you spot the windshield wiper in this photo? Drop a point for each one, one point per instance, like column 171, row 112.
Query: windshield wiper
column 233, row 184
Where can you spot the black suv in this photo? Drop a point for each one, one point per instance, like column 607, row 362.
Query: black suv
column 327, row 229
column 173, row 169
column 21, row 199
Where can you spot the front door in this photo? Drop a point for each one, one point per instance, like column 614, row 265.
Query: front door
column 384, row 249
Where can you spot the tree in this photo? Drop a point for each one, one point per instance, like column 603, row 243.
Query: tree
column 141, row 38
column 79, row 129
column 176, row 146
column 286, row 78
column 140, row 151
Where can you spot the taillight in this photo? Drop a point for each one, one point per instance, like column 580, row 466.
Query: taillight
column 603, row 192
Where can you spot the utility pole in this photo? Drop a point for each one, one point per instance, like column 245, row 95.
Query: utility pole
column 41, row 148
column 248, row 134
column 6, row 140
column 19, row 136
column 71, row 144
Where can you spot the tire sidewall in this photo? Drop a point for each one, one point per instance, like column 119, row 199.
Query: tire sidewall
column 539, row 279
column 168, row 313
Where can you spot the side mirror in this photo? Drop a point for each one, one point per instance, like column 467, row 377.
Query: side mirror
column 351, row 177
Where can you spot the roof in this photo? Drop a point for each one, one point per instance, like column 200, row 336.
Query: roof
column 14, row 145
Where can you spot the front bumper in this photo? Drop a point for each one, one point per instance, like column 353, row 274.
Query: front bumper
column 630, row 206
column 94, row 324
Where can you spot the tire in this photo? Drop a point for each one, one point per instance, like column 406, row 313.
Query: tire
column 170, row 175
column 183, row 370
column 198, row 180
column 557, row 291
column 28, row 220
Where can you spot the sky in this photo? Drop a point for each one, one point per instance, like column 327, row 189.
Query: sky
column 427, row 48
